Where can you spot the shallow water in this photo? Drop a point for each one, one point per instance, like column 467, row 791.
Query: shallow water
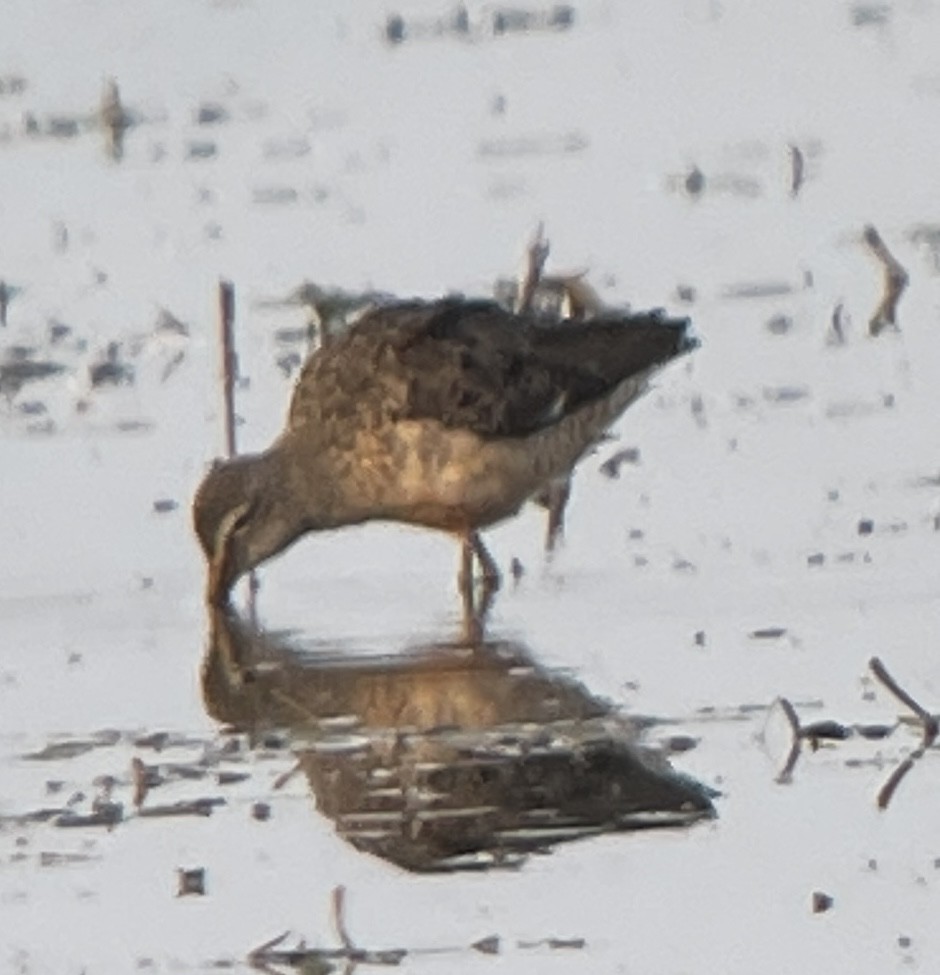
column 731, row 564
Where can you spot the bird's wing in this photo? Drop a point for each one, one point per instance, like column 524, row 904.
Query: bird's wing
column 472, row 365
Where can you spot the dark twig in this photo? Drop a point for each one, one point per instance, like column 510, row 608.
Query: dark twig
column 786, row 773
column 229, row 361
column 536, row 256
column 797, row 170
column 895, row 281
column 928, row 722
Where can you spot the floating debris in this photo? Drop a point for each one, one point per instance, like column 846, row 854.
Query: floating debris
column 870, row 14
column 12, row 84
column 274, row 195
column 103, row 813
column 896, row 280
column 201, row 149
column 827, row 729
column 758, row 289
column 694, row 182
column 549, row 144
column 490, row 23
column 18, row 367
column 779, row 325
column 768, row 633
column 211, row 113
column 190, row 807
column 785, row 395
column 821, row 902
column 110, row 370
column 507, row 20
column 611, row 466
column 797, row 169
column 190, row 881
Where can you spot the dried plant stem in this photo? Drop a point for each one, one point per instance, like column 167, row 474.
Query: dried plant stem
column 786, row 773
column 929, row 726
column 229, row 361
column 928, row 720
column 895, row 281
column 536, row 256
column 797, row 170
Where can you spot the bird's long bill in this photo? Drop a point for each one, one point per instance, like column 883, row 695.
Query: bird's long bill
column 223, row 570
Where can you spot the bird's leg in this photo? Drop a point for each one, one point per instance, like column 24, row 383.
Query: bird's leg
column 558, row 494
column 465, row 575
column 472, row 630
column 490, row 570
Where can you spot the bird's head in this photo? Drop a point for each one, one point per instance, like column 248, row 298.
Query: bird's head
column 241, row 519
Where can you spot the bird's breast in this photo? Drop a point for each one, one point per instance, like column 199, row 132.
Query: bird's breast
column 423, row 472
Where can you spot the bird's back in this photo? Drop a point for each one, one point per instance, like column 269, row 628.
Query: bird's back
column 473, row 366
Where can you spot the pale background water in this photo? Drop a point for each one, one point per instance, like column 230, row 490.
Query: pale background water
column 381, row 155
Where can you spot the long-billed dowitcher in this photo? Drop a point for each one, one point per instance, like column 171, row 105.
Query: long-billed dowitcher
column 448, row 414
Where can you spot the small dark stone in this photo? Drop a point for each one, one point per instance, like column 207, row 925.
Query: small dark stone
column 817, row 558
column 461, row 22
column 822, row 902
column 681, row 743
column 700, row 638
column 210, row 113
column 516, row 569
column 191, row 881
column 779, row 325
column 695, row 181
column 562, row 16
column 488, row 946
column 164, row 505
column 261, row 811
column 866, row 526
column 395, row 29
column 201, row 150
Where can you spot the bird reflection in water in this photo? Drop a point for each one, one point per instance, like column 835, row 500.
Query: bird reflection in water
column 446, row 756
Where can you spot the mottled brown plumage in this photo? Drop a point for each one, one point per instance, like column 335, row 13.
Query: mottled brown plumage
column 448, row 414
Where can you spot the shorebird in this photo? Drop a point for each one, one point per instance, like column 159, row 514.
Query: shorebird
column 447, row 414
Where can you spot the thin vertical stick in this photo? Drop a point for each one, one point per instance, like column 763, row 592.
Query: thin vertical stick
column 536, row 255
column 229, row 361
column 229, row 372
